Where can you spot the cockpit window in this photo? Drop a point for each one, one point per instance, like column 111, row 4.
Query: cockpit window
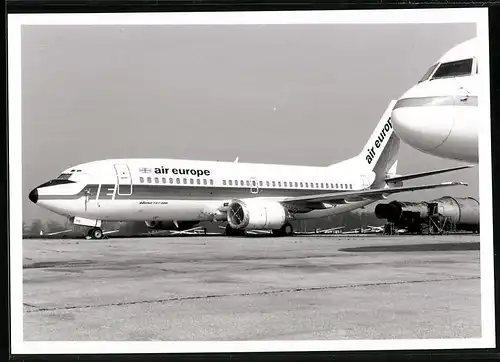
column 64, row 176
column 55, row 182
column 60, row 180
column 428, row 73
column 454, row 69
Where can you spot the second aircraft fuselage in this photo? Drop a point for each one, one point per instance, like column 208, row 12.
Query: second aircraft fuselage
column 440, row 115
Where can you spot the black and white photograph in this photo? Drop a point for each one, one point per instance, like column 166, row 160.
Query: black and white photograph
column 243, row 182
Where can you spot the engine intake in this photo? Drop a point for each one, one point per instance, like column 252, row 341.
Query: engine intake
column 256, row 214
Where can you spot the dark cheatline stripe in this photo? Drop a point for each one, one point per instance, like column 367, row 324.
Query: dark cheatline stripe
column 172, row 192
column 436, row 101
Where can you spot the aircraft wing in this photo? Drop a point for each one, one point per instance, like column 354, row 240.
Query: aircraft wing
column 424, row 174
column 316, row 201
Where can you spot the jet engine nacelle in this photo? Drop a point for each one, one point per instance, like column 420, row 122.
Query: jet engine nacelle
column 170, row 225
column 463, row 212
column 256, row 214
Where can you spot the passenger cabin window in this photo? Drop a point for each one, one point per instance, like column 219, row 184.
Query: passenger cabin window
column 284, row 184
column 178, row 180
column 171, row 180
column 236, row 182
column 142, row 179
column 279, row 183
column 149, row 180
column 156, row 180
column 191, row 181
column 454, row 69
column 224, row 182
column 204, row 181
column 428, row 74
column 211, row 182
column 267, row 183
column 248, row 183
column 164, row 180
column 198, row 181
column 230, row 182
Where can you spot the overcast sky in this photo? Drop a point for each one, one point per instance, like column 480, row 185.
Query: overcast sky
column 209, row 93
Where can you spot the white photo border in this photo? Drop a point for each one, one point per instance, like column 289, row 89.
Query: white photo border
column 420, row 16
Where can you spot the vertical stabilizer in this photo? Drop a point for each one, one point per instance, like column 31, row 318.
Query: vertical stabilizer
column 380, row 153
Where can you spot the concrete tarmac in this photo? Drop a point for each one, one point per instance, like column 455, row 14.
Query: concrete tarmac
column 222, row 288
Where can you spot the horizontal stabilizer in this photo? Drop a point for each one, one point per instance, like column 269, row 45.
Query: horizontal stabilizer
column 424, row 174
column 344, row 197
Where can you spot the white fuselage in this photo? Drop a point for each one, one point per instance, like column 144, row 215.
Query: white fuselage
column 439, row 115
column 166, row 189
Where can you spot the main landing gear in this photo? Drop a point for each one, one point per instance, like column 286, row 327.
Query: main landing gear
column 234, row 232
column 285, row 230
column 95, row 233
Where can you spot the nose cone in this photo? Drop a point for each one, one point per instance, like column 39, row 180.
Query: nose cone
column 33, row 196
column 420, row 125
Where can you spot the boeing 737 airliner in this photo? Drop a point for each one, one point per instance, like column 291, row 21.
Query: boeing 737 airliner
column 176, row 194
column 439, row 115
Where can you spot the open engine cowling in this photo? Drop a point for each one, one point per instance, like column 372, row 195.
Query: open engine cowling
column 170, row 225
column 256, row 214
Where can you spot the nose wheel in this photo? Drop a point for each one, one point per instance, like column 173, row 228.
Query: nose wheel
column 95, row 233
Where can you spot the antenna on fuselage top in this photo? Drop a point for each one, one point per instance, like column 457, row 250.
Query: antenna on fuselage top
column 237, row 158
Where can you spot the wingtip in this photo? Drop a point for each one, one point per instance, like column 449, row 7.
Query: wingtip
column 462, row 167
column 455, row 183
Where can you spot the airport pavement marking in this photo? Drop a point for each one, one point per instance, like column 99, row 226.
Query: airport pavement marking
column 269, row 292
